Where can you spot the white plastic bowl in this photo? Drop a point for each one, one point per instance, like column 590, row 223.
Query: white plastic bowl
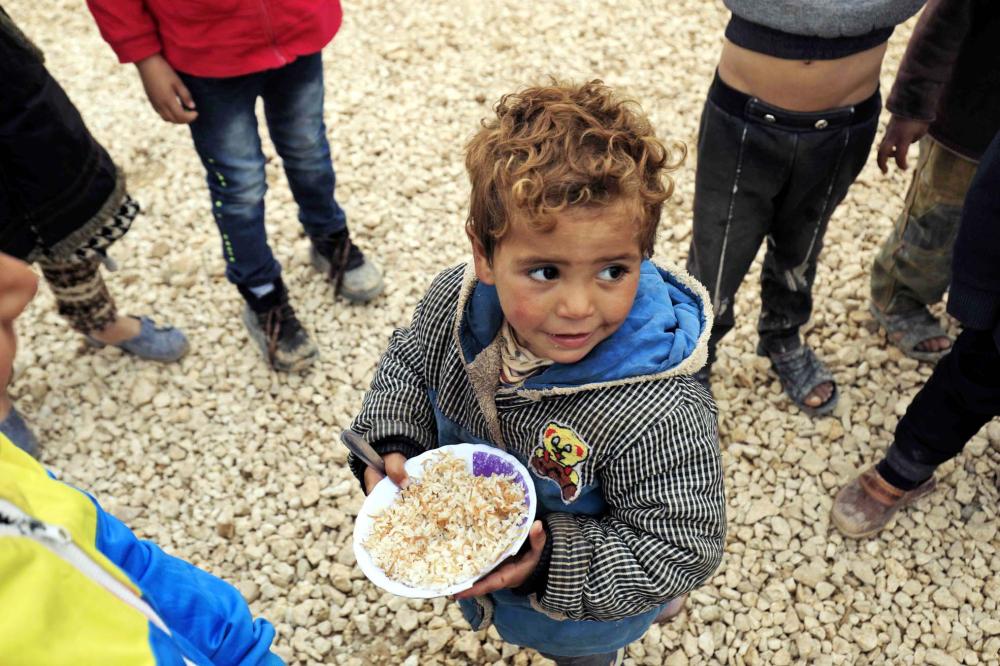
column 481, row 460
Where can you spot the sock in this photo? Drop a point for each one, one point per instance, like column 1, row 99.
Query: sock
column 895, row 478
column 262, row 290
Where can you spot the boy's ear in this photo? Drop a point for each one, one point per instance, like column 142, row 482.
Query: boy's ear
column 484, row 268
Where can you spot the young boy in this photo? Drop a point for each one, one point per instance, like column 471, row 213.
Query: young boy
column 63, row 204
column 963, row 393
column 787, row 127
column 205, row 64
column 947, row 96
column 563, row 344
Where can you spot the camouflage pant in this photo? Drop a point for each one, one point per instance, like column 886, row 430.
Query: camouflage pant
column 913, row 267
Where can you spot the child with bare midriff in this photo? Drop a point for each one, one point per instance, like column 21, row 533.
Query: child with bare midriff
column 787, row 126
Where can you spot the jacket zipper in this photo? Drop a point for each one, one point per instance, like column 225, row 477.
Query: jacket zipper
column 270, row 32
column 14, row 522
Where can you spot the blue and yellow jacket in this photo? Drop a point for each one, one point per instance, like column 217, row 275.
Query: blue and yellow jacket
column 78, row 587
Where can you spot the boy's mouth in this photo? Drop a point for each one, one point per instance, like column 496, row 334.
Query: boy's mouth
column 570, row 340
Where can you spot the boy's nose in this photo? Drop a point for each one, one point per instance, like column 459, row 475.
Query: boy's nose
column 575, row 304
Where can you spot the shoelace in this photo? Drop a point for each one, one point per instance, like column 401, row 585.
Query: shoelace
column 338, row 263
column 275, row 320
column 341, row 251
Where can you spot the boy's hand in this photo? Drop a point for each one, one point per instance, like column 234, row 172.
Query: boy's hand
column 165, row 90
column 899, row 134
column 515, row 571
column 393, row 466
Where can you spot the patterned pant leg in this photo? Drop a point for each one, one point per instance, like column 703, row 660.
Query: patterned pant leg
column 81, row 294
column 913, row 266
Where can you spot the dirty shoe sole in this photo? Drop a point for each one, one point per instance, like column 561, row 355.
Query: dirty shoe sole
column 301, row 362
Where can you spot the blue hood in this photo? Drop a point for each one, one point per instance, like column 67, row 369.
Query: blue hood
column 661, row 330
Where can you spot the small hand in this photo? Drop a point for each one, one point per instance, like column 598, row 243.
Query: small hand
column 393, row 466
column 165, row 90
column 515, row 570
column 899, row 134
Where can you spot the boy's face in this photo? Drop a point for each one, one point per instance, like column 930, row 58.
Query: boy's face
column 566, row 289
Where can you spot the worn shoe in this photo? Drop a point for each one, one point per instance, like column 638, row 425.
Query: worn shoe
column 154, row 343
column 867, row 504
column 345, row 266
column 17, row 431
column 801, row 372
column 272, row 324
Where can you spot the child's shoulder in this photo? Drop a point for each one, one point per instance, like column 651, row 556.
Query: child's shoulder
column 446, row 289
column 449, row 281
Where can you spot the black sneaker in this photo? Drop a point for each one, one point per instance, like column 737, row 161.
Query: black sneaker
column 351, row 274
column 272, row 324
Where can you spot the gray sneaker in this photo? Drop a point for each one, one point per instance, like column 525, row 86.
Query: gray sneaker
column 352, row 275
column 153, row 343
column 272, row 324
column 17, row 431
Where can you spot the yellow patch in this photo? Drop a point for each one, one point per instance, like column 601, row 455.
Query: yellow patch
column 559, row 457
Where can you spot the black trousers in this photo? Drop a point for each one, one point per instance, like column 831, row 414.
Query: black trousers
column 961, row 396
column 767, row 173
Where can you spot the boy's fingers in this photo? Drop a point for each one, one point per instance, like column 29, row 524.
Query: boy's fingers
column 185, row 95
column 395, row 469
column 372, row 477
column 536, row 535
column 882, row 159
column 901, row 157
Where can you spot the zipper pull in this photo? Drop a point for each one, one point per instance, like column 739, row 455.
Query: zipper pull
column 36, row 528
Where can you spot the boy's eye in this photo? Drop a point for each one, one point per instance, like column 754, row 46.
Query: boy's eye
column 612, row 273
column 544, row 274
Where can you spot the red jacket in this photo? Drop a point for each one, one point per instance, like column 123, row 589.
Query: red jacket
column 217, row 38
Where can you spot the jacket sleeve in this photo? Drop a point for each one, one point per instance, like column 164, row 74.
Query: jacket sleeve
column 930, row 56
column 397, row 414
column 128, row 27
column 663, row 534
column 206, row 611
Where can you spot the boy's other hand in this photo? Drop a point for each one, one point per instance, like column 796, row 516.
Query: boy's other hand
column 394, row 463
column 899, row 134
column 515, row 571
column 165, row 90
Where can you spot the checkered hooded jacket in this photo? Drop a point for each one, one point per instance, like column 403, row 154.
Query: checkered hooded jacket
column 622, row 447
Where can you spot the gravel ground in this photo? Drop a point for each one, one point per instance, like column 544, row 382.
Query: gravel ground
column 239, row 470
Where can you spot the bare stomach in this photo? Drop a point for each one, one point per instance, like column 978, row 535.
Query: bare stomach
column 802, row 85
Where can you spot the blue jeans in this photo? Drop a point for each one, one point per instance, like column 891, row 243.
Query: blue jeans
column 225, row 136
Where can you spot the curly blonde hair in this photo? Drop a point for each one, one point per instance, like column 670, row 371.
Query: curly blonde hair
column 560, row 146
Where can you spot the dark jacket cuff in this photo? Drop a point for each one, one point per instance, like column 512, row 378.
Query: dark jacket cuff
column 975, row 307
column 539, row 578
column 408, row 447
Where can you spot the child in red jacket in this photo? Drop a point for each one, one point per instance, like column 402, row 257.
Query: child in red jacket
column 205, row 64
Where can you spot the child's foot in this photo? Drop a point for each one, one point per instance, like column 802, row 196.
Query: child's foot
column 352, row 275
column 140, row 336
column 867, row 504
column 805, row 379
column 17, row 431
column 917, row 333
column 272, row 324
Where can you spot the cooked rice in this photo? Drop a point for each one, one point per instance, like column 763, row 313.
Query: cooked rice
column 448, row 526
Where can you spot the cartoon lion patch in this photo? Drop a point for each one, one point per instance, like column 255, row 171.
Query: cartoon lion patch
column 559, row 458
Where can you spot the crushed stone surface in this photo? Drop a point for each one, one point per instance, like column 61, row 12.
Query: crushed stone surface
column 239, row 470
